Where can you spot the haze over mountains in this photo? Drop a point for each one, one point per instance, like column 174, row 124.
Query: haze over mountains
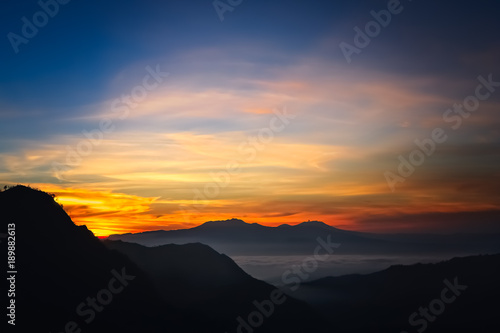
column 236, row 238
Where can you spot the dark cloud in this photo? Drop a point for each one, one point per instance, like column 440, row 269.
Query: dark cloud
column 459, row 222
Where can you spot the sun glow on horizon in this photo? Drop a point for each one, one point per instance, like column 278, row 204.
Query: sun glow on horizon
column 105, row 212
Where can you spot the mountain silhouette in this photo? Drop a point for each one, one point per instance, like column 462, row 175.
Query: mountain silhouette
column 234, row 237
column 196, row 278
column 385, row 300
column 60, row 265
column 69, row 280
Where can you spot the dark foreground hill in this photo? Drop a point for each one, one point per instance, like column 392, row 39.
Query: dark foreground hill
column 69, row 281
column 196, row 278
column 459, row 295
column 61, row 266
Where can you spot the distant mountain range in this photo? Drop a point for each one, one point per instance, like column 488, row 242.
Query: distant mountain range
column 235, row 237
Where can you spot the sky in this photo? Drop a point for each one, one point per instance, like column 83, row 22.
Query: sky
column 376, row 116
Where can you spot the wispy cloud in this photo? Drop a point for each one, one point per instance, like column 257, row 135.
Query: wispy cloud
column 351, row 124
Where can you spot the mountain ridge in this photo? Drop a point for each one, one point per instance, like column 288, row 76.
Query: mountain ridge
column 234, row 222
column 386, row 299
column 236, row 237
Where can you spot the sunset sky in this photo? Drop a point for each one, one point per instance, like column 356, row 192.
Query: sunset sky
column 260, row 117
